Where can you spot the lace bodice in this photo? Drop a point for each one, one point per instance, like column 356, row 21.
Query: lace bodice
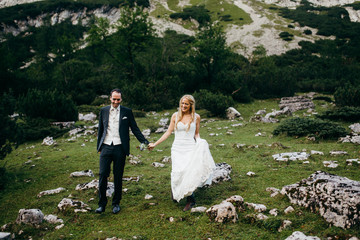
column 182, row 132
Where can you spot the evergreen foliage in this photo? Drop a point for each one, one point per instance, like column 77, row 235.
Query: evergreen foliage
column 310, row 127
column 199, row 13
column 348, row 114
column 216, row 103
column 48, row 104
column 348, row 95
column 8, row 130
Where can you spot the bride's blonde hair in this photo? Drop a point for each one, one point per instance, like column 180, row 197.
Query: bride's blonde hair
column 191, row 100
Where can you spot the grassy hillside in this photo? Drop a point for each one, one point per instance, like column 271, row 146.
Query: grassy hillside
column 53, row 165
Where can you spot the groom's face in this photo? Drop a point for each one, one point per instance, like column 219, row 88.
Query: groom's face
column 115, row 99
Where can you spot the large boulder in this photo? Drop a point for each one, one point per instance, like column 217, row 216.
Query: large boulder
column 30, row 216
column 232, row 113
column 335, row 198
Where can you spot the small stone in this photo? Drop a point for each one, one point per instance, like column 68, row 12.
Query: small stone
column 261, row 216
column 171, row 219
column 198, row 210
column 157, row 165
column 257, row 207
column 289, row 209
column 148, row 197
column 59, row 226
column 274, row 212
column 250, row 174
column 285, row 224
column 330, row 164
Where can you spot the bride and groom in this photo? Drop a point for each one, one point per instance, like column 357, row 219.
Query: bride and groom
column 192, row 163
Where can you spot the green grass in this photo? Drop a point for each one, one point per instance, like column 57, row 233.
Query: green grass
column 138, row 218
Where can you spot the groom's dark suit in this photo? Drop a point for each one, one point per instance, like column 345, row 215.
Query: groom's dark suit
column 115, row 153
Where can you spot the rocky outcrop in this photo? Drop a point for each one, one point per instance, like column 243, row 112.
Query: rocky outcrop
column 30, row 216
column 295, row 3
column 296, row 103
column 223, row 212
column 232, row 113
column 335, row 198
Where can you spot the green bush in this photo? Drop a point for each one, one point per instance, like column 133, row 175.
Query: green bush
column 286, row 36
column 323, row 98
column 310, row 127
column 347, row 95
column 48, row 104
column 199, row 13
column 216, row 103
column 32, row 129
column 138, row 113
column 307, row 31
column 89, row 109
column 348, row 114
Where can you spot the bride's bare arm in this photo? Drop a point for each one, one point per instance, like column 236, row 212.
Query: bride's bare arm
column 166, row 134
column 197, row 130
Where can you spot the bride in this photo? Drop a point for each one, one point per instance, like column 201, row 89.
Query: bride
column 192, row 163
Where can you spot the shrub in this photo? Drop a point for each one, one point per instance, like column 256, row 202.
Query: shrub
column 323, row 98
column 348, row 114
column 37, row 128
column 216, row 103
column 48, row 104
column 310, row 127
column 89, row 109
column 307, row 32
column 286, row 36
column 199, row 13
column 348, row 95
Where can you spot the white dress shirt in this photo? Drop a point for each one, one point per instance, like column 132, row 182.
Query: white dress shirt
column 112, row 132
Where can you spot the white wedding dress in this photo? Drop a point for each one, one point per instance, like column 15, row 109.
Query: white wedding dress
column 192, row 163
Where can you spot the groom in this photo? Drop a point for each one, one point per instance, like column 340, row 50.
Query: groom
column 113, row 145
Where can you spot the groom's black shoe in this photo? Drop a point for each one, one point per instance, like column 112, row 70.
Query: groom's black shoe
column 100, row 209
column 116, row 208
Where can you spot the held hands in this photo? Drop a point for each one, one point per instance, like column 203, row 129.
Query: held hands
column 151, row 146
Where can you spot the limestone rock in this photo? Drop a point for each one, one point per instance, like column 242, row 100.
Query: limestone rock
column 250, row 174
column 85, row 173
column 257, row 207
column 166, row 159
column 313, row 152
column 148, row 197
column 30, row 216
column 53, row 219
column 223, row 212
column 296, row 103
column 330, row 164
column 95, row 184
column 67, row 203
column 289, row 209
column 273, row 191
column 355, row 127
column 146, row 132
column 274, row 212
column 48, row 141
column 337, row 153
column 157, row 164
column 292, row 156
column 87, row 117
column 237, row 201
column 285, row 224
column 301, row 236
column 198, row 209
column 64, row 124
column 50, row 192
column 261, row 216
column 232, row 113
column 221, row 173
column 75, row 131
column 351, row 161
column 335, row 198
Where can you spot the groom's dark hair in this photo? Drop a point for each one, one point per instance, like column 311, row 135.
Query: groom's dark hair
column 115, row 90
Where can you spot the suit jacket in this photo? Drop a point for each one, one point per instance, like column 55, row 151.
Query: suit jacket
column 126, row 121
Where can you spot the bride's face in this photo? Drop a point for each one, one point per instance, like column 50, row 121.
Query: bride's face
column 185, row 105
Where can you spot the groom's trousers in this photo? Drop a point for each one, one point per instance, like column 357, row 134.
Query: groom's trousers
column 115, row 154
